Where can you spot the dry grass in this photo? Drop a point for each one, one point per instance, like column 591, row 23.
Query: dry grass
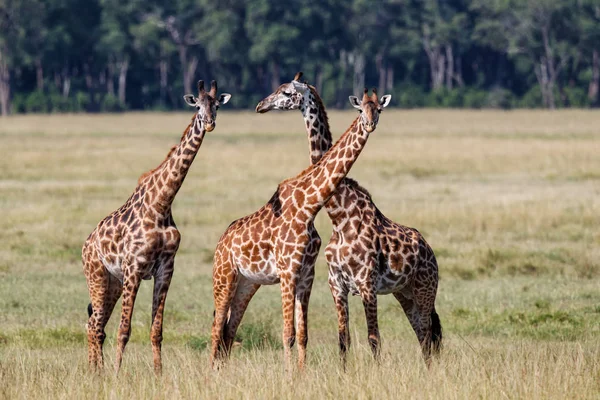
column 510, row 202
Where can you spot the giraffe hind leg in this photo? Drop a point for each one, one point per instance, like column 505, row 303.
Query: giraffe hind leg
column 223, row 294
column 370, row 305
column 423, row 318
column 104, row 290
column 243, row 294
column 130, row 290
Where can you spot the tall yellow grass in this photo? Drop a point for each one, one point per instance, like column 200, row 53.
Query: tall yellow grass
column 509, row 201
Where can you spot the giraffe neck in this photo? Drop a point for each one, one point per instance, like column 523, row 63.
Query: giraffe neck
column 317, row 125
column 169, row 176
column 324, row 177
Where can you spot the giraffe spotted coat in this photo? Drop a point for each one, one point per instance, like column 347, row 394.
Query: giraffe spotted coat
column 139, row 240
column 279, row 244
column 368, row 254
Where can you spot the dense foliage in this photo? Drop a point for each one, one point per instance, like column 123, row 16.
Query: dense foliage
column 111, row 55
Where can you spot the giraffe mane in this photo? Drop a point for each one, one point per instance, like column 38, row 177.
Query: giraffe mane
column 357, row 186
column 319, row 102
column 169, row 154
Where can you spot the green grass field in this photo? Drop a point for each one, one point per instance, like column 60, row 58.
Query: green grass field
column 509, row 201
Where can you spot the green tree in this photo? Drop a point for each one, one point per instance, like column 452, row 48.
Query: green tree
column 542, row 31
column 443, row 28
column 275, row 43
column 589, row 24
column 22, row 32
column 118, row 19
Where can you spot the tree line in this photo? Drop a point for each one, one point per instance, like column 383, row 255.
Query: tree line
column 111, row 55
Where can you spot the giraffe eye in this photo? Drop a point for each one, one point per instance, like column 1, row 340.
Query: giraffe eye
column 288, row 94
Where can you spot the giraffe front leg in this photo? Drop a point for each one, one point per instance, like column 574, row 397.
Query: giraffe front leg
column 369, row 298
column 131, row 284
column 161, row 287
column 340, row 298
column 288, row 294
column 302, row 298
column 97, row 285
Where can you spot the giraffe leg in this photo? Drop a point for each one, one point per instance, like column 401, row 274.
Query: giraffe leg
column 161, row 287
column 369, row 299
column 225, row 282
column 98, row 281
column 410, row 309
column 430, row 330
column 243, row 294
column 302, row 298
column 288, row 294
column 130, row 289
column 340, row 298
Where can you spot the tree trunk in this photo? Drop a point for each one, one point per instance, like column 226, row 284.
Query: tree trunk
column 110, row 82
column 39, row 74
column 66, row 82
column 458, row 73
column 340, row 82
column 275, row 75
column 191, row 72
column 57, row 81
column 123, row 66
column 4, row 85
column 382, row 71
column 594, row 86
column 163, row 68
column 550, row 66
column 358, row 81
column 437, row 63
column 389, row 85
column 436, row 60
column 319, row 78
column 189, row 68
column 450, row 67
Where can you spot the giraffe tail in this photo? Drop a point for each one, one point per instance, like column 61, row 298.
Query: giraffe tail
column 436, row 332
column 90, row 310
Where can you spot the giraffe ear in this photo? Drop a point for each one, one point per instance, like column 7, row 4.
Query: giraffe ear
column 224, row 98
column 385, row 100
column 300, row 87
column 190, row 100
column 354, row 101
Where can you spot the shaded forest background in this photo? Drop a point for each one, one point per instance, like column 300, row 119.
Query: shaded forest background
column 113, row 55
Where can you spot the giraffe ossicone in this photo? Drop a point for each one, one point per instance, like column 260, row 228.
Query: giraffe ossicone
column 140, row 239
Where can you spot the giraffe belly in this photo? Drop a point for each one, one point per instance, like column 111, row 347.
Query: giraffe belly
column 113, row 266
column 390, row 282
column 264, row 273
column 260, row 277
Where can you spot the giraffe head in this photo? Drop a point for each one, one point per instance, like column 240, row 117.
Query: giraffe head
column 207, row 104
column 289, row 96
column 369, row 108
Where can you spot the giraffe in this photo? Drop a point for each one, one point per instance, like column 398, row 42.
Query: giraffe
column 279, row 244
column 368, row 254
column 139, row 240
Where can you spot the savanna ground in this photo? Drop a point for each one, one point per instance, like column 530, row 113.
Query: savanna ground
column 509, row 201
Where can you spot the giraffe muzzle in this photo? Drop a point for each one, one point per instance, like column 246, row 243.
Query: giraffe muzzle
column 209, row 127
column 263, row 107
